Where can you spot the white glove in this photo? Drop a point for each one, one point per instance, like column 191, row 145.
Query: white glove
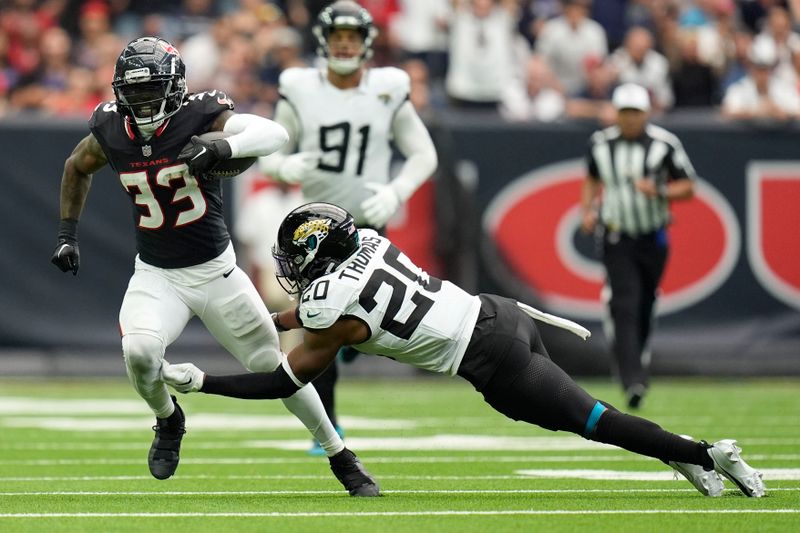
column 184, row 377
column 380, row 207
column 295, row 167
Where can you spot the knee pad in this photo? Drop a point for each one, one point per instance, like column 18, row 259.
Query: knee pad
column 143, row 352
column 265, row 359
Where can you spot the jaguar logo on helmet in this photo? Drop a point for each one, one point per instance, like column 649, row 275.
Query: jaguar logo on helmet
column 313, row 240
column 311, row 233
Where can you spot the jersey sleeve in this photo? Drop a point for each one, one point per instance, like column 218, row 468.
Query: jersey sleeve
column 291, row 81
column 210, row 103
column 591, row 163
column 678, row 163
column 102, row 123
column 397, row 85
column 324, row 302
column 102, row 114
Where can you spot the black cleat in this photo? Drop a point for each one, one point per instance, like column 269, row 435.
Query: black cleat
column 165, row 450
column 636, row 395
column 351, row 474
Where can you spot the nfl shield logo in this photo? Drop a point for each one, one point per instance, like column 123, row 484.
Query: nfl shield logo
column 147, row 151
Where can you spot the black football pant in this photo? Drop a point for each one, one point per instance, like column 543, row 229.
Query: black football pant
column 634, row 266
column 507, row 362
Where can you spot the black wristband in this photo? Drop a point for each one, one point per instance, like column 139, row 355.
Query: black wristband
column 68, row 230
column 278, row 325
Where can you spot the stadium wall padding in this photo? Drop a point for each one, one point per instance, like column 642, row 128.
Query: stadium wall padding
column 504, row 223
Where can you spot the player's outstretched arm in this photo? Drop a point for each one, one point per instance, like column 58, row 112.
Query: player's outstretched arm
column 86, row 159
column 304, row 363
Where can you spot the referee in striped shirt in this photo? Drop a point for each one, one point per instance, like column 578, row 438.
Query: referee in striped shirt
column 634, row 170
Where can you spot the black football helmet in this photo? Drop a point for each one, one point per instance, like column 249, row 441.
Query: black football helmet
column 313, row 240
column 344, row 14
column 149, row 81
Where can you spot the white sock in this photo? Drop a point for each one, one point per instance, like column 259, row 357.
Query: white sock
column 306, row 406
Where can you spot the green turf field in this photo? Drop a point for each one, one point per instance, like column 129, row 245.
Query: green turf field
column 73, row 458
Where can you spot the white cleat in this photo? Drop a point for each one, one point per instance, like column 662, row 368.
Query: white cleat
column 729, row 463
column 707, row 482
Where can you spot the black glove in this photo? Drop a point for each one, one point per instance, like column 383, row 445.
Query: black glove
column 202, row 155
column 67, row 256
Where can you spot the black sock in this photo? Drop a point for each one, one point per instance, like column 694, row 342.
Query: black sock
column 641, row 436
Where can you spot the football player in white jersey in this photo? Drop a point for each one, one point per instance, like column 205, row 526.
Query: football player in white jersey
column 356, row 288
column 341, row 123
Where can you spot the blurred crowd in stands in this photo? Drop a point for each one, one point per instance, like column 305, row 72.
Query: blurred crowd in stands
column 530, row 60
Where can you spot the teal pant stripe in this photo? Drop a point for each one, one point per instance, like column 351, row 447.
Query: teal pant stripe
column 594, row 416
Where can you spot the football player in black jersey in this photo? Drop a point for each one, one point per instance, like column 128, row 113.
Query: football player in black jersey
column 355, row 287
column 185, row 265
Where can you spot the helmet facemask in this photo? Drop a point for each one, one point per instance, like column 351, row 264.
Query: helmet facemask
column 149, row 82
column 150, row 102
column 345, row 15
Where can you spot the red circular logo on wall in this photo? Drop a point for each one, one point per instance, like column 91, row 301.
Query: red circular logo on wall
column 533, row 221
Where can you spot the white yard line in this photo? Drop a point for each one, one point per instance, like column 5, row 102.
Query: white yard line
column 623, row 457
column 310, row 492
column 368, row 514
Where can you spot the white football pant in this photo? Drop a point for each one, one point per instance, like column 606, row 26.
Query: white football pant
column 155, row 311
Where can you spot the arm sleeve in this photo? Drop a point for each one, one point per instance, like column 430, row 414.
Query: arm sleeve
column 591, row 164
column 414, row 142
column 253, row 386
column 285, row 116
column 678, row 163
column 253, row 135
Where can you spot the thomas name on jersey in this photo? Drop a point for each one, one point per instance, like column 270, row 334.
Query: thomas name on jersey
column 358, row 265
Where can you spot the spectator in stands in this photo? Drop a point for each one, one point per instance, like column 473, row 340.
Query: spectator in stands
column 534, row 14
column 762, row 94
column 51, row 75
column 613, row 16
column 202, row 53
column 695, row 82
column 94, row 25
column 422, row 97
column 637, row 62
column 419, row 30
column 778, row 29
column 736, row 67
column 539, row 100
column 484, row 53
column 107, row 50
column 286, row 52
column 568, row 42
column 194, row 17
column 22, row 29
column 77, row 99
column 8, row 76
column 594, row 102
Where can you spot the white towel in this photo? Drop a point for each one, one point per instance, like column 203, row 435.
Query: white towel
column 557, row 321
